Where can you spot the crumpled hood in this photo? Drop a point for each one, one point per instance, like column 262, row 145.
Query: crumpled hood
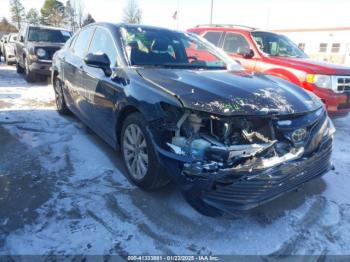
column 232, row 93
column 311, row 66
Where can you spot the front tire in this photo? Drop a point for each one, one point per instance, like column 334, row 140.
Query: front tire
column 19, row 69
column 61, row 105
column 30, row 76
column 139, row 155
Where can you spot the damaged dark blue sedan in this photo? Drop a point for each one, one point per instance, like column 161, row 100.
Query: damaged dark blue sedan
column 180, row 109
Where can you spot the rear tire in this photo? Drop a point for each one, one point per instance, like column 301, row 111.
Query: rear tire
column 61, row 105
column 139, row 154
column 30, row 76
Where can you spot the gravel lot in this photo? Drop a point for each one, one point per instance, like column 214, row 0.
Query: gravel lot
column 62, row 191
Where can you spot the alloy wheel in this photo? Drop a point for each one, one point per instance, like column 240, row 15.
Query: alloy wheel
column 58, row 95
column 135, row 152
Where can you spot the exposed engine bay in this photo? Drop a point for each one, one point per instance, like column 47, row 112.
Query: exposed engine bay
column 237, row 143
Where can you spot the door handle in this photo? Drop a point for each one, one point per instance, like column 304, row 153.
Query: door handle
column 81, row 67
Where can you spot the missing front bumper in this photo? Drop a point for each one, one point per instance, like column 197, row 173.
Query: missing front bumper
column 226, row 192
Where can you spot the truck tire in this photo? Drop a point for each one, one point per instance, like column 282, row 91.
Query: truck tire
column 29, row 75
column 19, row 69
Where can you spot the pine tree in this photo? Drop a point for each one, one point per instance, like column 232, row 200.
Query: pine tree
column 52, row 13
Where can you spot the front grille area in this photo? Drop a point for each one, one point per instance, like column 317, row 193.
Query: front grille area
column 343, row 83
column 245, row 194
column 50, row 51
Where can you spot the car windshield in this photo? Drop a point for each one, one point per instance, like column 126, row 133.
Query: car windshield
column 48, row 35
column 164, row 48
column 277, row 45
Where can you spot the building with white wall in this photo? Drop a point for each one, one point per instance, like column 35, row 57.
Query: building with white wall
column 324, row 44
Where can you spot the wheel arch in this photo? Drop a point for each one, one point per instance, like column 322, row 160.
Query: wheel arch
column 122, row 115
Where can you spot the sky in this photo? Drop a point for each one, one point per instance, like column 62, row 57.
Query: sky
column 265, row 14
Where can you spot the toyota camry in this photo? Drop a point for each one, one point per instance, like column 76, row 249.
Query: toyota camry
column 181, row 110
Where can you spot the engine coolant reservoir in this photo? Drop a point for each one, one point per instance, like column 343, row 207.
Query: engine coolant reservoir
column 196, row 148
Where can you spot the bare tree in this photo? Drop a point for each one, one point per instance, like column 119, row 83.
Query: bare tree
column 132, row 13
column 79, row 12
column 17, row 12
column 70, row 16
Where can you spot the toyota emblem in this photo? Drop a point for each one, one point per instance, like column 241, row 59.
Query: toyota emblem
column 299, row 135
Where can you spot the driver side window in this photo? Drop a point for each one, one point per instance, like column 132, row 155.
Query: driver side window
column 102, row 42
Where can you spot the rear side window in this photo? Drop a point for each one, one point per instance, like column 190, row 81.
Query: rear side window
column 213, row 37
column 82, row 41
column 234, row 43
column 102, row 42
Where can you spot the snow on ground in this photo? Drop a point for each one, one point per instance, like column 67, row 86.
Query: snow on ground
column 62, row 191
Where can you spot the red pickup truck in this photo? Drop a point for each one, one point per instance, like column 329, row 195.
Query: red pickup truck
column 275, row 54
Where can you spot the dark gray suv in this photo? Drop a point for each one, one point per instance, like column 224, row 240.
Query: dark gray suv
column 35, row 48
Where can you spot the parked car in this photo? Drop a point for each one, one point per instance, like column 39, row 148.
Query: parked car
column 2, row 42
column 230, row 139
column 275, row 54
column 35, row 48
column 10, row 49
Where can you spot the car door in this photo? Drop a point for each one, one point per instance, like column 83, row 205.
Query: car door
column 101, row 90
column 73, row 71
column 233, row 44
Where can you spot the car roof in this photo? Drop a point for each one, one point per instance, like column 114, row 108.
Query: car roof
column 119, row 25
column 223, row 27
column 228, row 28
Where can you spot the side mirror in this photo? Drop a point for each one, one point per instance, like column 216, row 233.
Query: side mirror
column 21, row 39
column 246, row 52
column 99, row 60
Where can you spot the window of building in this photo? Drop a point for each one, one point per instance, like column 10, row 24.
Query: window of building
column 323, row 48
column 335, row 48
column 301, row 46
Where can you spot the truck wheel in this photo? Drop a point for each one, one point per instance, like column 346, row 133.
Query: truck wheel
column 7, row 60
column 30, row 76
column 61, row 105
column 139, row 155
column 19, row 69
